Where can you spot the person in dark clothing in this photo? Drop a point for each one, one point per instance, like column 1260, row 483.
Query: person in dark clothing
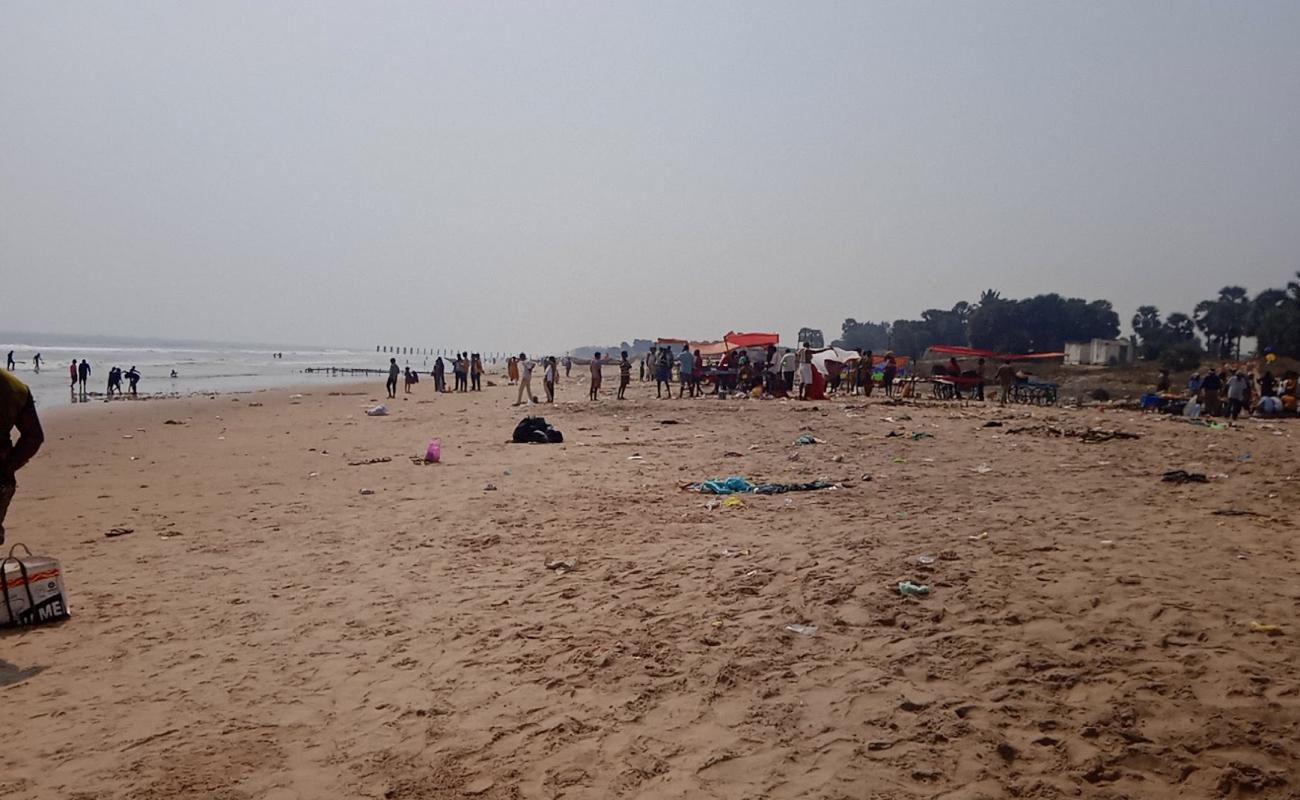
column 83, row 374
column 393, row 372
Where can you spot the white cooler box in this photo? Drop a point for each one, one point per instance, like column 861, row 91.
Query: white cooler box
column 33, row 589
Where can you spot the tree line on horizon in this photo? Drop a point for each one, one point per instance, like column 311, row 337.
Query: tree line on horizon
column 1044, row 323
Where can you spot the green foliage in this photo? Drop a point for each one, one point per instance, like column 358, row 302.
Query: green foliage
column 1040, row 324
column 1181, row 355
column 1223, row 320
column 856, row 335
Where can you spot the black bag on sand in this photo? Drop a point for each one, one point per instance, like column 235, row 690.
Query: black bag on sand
column 536, row 430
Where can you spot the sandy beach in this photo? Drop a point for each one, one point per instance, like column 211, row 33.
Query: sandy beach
column 268, row 630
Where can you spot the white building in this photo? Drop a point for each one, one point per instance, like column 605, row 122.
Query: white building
column 1107, row 352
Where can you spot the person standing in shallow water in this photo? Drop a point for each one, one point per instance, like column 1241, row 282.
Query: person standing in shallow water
column 393, row 372
column 83, row 375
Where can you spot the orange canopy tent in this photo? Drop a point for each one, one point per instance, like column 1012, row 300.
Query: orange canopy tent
column 734, row 340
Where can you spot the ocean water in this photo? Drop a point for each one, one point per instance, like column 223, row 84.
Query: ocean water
column 201, row 367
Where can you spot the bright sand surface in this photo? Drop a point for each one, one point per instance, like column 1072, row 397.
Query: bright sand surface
column 268, row 631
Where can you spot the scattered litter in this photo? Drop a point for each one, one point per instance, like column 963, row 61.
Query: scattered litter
column 1088, row 435
column 313, row 474
column 802, row 630
column 170, row 534
column 635, row 457
column 979, row 537
column 1183, row 476
column 916, row 437
column 1235, row 512
column 491, row 487
column 837, row 459
column 899, row 460
column 367, row 491
column 982, row 469
column 893, row 434
column 1107, row 541
column 733, row 502
column 433, row 453
column 536, row 430
column 562, row 565
column 1260, row 627
column 127, row 436
column 380, row 410
column 926, row 561
column 993, row 424
column 670, row 422
column 1246, row 457
column 866, row 477
column 363, row 462
column 731, row 454
column 910, row 589
column 712, row 504
column 173, row 422
column 738, row 485
column 119, row 532
column 808, row 438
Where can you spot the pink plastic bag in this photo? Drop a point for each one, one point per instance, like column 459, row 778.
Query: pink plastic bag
column 434, row 454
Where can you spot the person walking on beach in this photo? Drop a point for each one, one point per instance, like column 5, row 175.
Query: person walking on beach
column 133, row 377
column 10, row 363
column 548, row 379
column 663, row 374
column 1006, row 376
column 686, row 372
column 83, row 374
column 889, row 373
column 17, row 410
column 804, row 360
column 1237, row 394
column 596, row 365
column 568, row 364
column 624, row 376
column 72, row 376
column 393, row 372
column 525, row 380
column 36, row 360
column 439, row 375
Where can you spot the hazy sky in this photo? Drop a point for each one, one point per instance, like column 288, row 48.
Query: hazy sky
column 544, row 175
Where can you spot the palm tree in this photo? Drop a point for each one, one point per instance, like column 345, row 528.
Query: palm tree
column 1180, row 326
column 1146, row 320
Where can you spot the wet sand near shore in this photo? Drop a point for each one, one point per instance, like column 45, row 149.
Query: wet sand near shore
column 268, row 630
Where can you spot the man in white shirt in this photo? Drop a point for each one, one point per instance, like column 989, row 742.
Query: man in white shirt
column 805, row 370
column 525, row 380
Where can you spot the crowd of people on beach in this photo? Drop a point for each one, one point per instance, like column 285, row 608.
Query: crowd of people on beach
column 1228, row 391
column 771, row 372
